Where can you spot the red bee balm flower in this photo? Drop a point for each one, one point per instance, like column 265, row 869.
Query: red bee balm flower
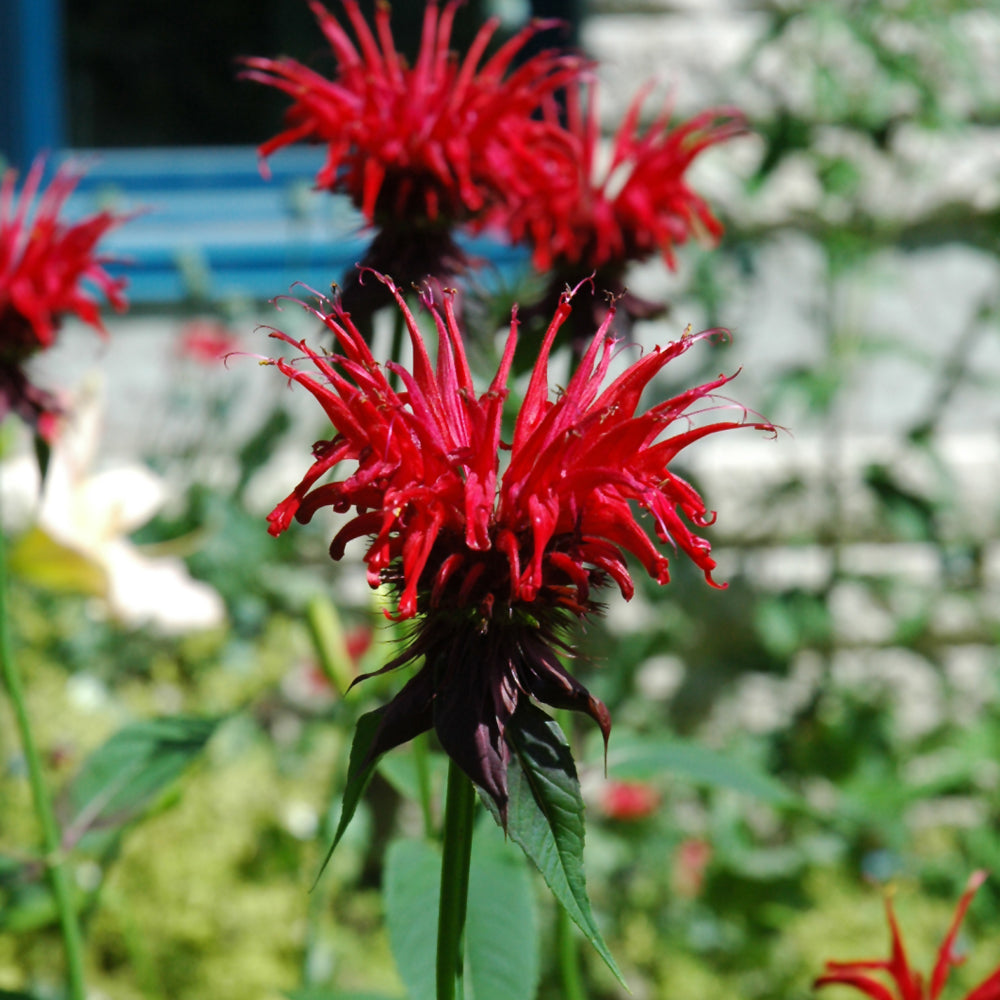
column 437, row 138
column 43, row 266
column 909, row 983
column 640, row 205
column 422, row 148
column 583, row 219
column 493, row 563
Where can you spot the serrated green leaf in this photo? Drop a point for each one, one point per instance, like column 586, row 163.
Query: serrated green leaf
column 501, row 928
column 545, row 816
column 122, row 777
column 359, row 772
column 639, row 758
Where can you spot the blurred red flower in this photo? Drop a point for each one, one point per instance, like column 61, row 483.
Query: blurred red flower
column 628, row 801
column 909, row 984
column 587, row 218
column 640, row 204
column 45, row 267
column 690, row 862
column 206, row 341
column 494, row 563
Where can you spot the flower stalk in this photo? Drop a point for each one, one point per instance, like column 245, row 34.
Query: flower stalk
column 460, row 805
column 51, row 843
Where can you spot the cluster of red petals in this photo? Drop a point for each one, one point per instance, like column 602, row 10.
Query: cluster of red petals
column 44, row 263
column 641, row 205
column 442, row 138
column 909, row 984
column 423, row 478
column 45, row 267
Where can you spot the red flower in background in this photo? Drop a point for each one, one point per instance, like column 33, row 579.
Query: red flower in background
column 628, row 801
column 206, row 340
column 441, row 139
column 640, row 205
column 419, row 149
column 45, row 267
column 493, row 563
column 585, row 218
column 909, row 984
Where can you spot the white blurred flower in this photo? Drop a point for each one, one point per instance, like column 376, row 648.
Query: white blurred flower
column 93, row 513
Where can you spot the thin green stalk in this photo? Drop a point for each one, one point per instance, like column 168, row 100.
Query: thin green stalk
column 58, row 877
column 398, row 332
column 568, row 956
column 460, row 805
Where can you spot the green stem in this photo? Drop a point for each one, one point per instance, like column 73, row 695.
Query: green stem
column 460, row 805
column 568, row 955
column 58, row 878
column 398, row 332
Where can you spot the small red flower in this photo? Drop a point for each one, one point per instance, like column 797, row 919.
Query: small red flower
column 628, row 801
column 45, row 266
column 491, row 561
column 206, row 341
column 439, row 139
column 909, row 984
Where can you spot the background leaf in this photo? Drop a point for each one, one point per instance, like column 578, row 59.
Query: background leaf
column 122, row 777
column 641, row 758
column 411, row 893
column 501, row 931
column 38, row 558
column 321, row 993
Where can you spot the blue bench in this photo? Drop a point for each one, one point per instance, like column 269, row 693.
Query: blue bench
column 213, row 228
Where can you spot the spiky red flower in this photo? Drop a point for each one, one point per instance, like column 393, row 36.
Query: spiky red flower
column 443, row 138
column 640, row 205
column 45, row 266
column 493, row 562
column 587, row 218
column 909, row 984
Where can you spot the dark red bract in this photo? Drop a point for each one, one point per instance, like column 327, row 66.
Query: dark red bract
column 492, row 561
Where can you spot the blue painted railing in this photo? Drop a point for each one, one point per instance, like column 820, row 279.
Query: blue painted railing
column 212, row 227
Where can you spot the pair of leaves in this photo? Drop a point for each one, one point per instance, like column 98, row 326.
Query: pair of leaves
column 544, row 809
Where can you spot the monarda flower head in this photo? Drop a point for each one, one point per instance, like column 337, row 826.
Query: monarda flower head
column 492, row 561
column 590, row 218
column 422, row 148
column 45, row 267
column 910, row 984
